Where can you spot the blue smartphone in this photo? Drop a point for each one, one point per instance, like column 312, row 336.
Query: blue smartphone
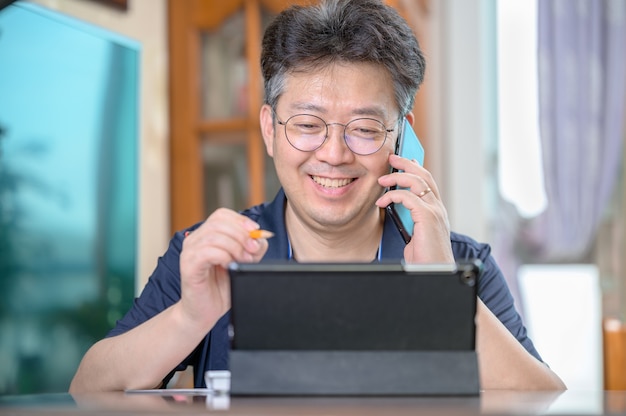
column 408, row 146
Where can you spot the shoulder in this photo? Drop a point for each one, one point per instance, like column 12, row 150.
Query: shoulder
column 268, row 214
column 465, row 247
column 492, row 285
column 255, row 212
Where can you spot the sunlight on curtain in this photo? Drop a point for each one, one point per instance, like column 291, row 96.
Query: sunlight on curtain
column 519, row 152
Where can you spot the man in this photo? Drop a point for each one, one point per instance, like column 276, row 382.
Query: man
column 339, row 79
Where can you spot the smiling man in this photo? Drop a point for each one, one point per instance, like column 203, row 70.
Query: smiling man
column 331, row 190
column 340, row 78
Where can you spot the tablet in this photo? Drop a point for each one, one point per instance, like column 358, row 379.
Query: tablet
column 353, row 306
column 353, row 329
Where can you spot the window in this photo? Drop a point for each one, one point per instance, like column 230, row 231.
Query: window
column 68, row 192
column 519, row 153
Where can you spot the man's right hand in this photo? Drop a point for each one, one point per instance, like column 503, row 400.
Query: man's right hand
column 207, row 251
column 133, row 360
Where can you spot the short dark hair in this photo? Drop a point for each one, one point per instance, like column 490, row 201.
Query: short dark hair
column 304, row 38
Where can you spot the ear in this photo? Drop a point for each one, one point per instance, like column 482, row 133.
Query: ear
column 410, row 118
column 267, row 129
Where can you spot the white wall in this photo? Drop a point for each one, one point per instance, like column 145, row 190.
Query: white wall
column 463, row 128
column 146, row 22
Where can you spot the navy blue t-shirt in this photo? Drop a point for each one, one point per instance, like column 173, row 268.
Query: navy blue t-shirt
column 163, row 287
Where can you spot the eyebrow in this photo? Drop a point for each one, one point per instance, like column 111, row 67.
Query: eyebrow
column 372, row 111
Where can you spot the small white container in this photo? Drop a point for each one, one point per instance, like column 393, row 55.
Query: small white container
column 218, row 381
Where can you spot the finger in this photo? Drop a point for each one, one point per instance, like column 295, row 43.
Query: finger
column 402, row 163
column 413, row 183
column 226, row 219
column 410, row 167
column 263, row 245
column 228, row 222
column 424, row 192
column 223, row 238
column 213, row 250
column 400, row 196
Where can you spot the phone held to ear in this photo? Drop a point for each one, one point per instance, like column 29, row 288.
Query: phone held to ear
column 408, row 146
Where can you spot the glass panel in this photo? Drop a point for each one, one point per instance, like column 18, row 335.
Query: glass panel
column 68, row 192
column 225, row 95
column 224, row 79
column 225, row 173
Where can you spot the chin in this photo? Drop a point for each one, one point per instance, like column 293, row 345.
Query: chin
column 331, row 216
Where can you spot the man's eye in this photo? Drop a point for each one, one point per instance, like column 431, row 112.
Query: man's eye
column 308, row 127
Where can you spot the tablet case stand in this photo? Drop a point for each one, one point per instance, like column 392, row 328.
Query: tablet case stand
column 346, row 373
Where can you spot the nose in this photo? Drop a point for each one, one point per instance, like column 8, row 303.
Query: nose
column 335, row 151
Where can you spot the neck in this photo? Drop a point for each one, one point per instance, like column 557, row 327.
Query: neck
column 315, row 243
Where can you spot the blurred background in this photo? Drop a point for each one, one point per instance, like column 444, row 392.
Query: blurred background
column 122, row 121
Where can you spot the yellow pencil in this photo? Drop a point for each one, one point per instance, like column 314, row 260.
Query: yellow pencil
column 256, row 234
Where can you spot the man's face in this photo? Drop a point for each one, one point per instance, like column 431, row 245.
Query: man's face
column 332, row 187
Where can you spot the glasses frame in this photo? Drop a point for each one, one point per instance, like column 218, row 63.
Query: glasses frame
column 345, row 126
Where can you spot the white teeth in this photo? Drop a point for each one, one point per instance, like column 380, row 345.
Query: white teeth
column 331, row 183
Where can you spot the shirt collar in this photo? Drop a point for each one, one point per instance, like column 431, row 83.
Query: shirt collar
column 273, row 219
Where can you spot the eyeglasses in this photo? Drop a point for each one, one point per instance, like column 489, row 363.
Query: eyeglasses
column 307, row 133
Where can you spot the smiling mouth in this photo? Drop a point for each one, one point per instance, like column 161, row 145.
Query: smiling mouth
column 332, row 183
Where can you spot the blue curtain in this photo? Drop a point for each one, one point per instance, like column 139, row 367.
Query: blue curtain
column 68, row 192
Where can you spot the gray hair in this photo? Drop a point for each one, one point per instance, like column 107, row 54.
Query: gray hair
column 307, row 38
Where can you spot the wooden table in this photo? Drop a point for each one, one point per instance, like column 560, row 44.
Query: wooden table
column 200, row 402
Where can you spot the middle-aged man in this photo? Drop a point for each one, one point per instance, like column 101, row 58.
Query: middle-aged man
column 339, row 79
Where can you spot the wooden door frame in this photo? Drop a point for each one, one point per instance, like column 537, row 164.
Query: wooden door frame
column 186, row 182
